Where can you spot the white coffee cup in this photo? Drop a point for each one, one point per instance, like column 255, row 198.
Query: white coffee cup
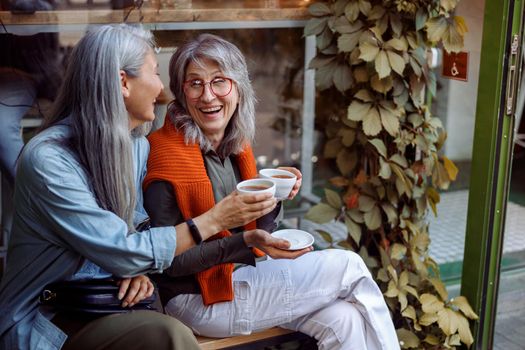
column 254, row 186
column 284, row 180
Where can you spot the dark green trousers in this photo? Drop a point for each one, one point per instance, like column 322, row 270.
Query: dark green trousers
column 140, row 330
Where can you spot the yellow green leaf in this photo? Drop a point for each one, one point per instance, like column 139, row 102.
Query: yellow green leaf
column 461, row 25
column 409, row 312
column 454, row 340
column 339, row 7
column 323, row 76
column 464, row 331
column 352, row 11
column 398, row 252
column 403, row 278
column 356, row 215
column 364, row 95
column 402, row 298
column 421, row 17
column 354, row 230
column 392, row 290
column 399, row 44
column 376, row 12
column 428, row 318
column 380, row 146
column 332, row 147
column 341, row 25
column 333, row 198
column 324, row 39
column 361, row 74
column 321, row 213
column 372, row 122
column 440, row 176
column 420, row 241
column 320, row 61
column 364, row 7
column 347, row 136
column 368, row 51
column 411, row 290
column 382, row 275
column 373, row 218
column 385, row 171
column 433, row 199
column 382, row 65
column 396, row 24
column 436, row 28
column 381, row 85
column 448, row 321
column 396, row 62
column 366, row 203
column 315, row 26
column 440, row 287
column 339, row 181
column 413, row 40
column 431, row 339
column 407, row 339
column 358, row 110
column 452, row 38
column 430, row 303
column 346, row 161
column 462, row 303
column 348, row 42
column 399, row 160
column 448, row 5
column 391, row 213
column 390, row 121
column 326, row 236
column 319, row 9
column 343, row 77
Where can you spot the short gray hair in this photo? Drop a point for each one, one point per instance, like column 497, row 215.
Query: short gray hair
column 241, row 128
column 91, row 96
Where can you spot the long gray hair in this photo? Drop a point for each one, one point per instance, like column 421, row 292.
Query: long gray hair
column 241, row 128
column 91, row 96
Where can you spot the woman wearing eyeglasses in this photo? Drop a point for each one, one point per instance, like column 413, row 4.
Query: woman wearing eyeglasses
column 217, row 287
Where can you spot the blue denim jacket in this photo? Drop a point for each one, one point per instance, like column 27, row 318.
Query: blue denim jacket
column 59, row 232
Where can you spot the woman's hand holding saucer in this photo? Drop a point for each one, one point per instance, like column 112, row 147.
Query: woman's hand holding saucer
column 276, row 248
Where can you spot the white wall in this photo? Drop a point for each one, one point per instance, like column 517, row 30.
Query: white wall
column 462, row 96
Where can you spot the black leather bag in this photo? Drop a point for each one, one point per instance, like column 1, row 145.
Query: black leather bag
column 91, row 296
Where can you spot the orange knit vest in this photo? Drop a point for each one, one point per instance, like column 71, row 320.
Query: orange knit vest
column 182, row 165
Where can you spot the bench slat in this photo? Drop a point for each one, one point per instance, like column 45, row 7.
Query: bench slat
column 225, row 343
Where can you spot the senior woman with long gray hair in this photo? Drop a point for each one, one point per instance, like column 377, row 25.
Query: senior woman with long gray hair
column 78, row 198
column 218, row 288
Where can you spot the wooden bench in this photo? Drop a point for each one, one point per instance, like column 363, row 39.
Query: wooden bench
column 269, row 337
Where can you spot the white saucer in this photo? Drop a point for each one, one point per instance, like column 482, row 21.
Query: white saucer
column 298, row 239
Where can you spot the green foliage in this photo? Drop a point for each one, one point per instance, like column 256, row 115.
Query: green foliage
column 385, row 144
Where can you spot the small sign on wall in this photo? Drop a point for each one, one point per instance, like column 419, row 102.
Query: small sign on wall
column 455, row 65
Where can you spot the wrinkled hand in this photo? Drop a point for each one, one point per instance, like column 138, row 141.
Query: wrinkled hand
column 134, row 289
column 274, row 247
column 298, row 183
column 237, row 209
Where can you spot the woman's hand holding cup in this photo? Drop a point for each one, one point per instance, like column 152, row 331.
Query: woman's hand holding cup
column 287, row 180
column 238, row 209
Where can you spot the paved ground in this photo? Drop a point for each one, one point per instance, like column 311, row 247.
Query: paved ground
column 447, row 231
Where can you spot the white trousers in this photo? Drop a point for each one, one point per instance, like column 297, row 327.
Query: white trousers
column 329, row 295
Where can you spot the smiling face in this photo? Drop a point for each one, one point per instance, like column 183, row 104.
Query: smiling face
column 141, row 92
column 210, row 112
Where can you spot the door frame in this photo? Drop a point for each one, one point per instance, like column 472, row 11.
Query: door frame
column 490, row 174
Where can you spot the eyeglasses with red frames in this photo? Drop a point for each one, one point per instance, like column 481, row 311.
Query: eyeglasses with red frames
column 220, row 87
